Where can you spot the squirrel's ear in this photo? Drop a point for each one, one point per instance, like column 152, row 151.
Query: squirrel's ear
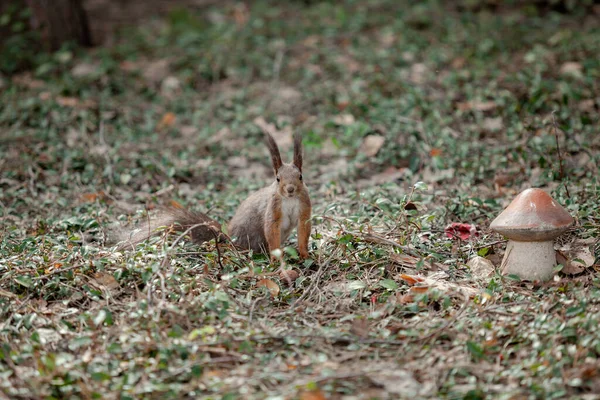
column 298, row 151
column 274, row 150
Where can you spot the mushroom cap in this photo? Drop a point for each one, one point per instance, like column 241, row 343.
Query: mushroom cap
column 532, row 216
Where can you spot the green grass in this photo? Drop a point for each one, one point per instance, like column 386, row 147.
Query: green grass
column 464, row 98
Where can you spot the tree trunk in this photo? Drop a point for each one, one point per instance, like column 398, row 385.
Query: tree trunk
column 60, row 21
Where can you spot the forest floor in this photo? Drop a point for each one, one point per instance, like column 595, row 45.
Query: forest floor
column 414, row 117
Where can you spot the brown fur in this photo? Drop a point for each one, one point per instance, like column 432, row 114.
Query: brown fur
column 263, row 221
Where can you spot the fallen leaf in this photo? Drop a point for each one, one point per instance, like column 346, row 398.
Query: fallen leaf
column 344, row 119
column 170, row 85
column 419, row 289
column 418, row 73
column 458, row 230
column 405, row 298
column 84, row 69
column 106, row 281
column 493, row 124
column 575, row 257
column 476, row 106
column 315, row 394
column 360, row 327
column 269, row 284
column 91, row 197
column 166, row 121
column 371, row 145
column 572, row 68
column 176, row 204
column 75, row 102
column 289, row 276
column 237, row 162
column 435, row 152
column 27, row 80
column 410, row 279
column 156, row 71
column 480, row 267
column 404, row 259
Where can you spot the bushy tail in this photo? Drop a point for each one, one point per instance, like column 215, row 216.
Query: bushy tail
column 200, row 227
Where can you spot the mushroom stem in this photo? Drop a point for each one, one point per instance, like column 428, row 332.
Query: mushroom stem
column 532, row 261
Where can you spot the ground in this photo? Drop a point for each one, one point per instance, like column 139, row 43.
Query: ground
column 413, row 117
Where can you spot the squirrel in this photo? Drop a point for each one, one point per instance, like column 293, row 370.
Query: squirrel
column 262, row 222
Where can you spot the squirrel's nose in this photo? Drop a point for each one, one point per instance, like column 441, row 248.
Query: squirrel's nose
column 290, row 189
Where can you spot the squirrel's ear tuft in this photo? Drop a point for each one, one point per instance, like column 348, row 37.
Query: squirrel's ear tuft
column 274, row 150
column 298, row 151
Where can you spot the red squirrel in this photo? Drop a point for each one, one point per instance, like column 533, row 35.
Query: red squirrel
column 262, row 222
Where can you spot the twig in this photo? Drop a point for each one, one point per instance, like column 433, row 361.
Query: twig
column 374, row 238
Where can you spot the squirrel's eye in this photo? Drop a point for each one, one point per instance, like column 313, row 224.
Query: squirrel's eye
column 300, row 177
column 278, row 179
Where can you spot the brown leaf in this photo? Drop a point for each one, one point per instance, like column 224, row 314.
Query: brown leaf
column 410, row 279
column 344, row 119
column 156, row 71
column 371, row 145
column 477, row 106
column 91, row 197
column 419, row 289
column 480, row 267
column 269, row 284
column 75, row 102
column 106, row 280
column 572, row 68
column 575, row 257
column 166, row 121
column 406, row 298
column 360, row 327
column 289, row 276
column 435, row 152
column 176, row 204
column 315, row 394
column 404, row 259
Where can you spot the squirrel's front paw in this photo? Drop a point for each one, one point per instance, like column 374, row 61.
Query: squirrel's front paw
column 303, row 254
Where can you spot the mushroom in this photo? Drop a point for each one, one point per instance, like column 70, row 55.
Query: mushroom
column 531, row 222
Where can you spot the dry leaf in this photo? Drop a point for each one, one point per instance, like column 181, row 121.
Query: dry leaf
column 410, row 279
column 575, row 257
column 476, row 106
column 480, row 267
column 572, row 68
column 92, row 197
column 343, row 119
column 167, row 120
column 75, row 102
column 289, row 276
column 371, row 145
column 435, row 152
column 156, row 71
column 493, row 124
column 405, row 298
column 106, row 281
column 360, row 327
column 269, row 284
column 312, row 395
column 419, row 289
column 404, row 259
column 176, row 204
column 84, row 69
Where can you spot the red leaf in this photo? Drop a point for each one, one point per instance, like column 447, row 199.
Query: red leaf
column 458, row 230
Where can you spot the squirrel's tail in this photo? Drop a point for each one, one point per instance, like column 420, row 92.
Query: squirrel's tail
column 200, row 227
